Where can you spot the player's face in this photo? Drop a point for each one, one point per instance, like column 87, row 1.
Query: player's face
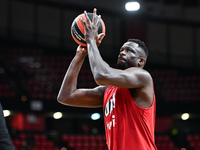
column 128, row 56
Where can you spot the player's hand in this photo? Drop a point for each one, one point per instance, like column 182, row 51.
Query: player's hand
column 81, row 50
column 91, row 28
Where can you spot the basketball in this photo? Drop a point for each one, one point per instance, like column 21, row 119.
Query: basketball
column 78, row 31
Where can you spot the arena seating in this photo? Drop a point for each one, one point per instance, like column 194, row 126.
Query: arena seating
column 177, row 86
column 164, row 143
column 194, row 141
column 36, row 141
column 5, row 90
column 84, row 142
column 33, row 142
column 40, row 75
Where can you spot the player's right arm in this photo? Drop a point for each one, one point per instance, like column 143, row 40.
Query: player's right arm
column 70, row 95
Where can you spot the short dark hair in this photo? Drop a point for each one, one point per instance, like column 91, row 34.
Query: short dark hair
column 141, row 44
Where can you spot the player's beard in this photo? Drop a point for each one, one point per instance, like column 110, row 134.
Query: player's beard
column 121, row 66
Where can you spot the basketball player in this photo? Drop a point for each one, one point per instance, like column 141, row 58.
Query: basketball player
column 5, row 141
column 126, row 93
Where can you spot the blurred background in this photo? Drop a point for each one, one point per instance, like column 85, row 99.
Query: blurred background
column 36, row 49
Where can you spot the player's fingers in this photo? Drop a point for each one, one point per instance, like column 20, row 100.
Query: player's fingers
column 101, row 36
column 84, row 50
column 98, row 42
column 81, row 49
column 83, row 22
column 98, row 21
column 87, row 18
column 94, row 15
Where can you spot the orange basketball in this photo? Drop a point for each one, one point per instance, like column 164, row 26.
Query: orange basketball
column 78, row 31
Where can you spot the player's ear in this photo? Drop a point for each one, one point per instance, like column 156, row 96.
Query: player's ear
column 141, row 62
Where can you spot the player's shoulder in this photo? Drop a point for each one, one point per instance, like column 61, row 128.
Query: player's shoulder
column 142, row 75
column 140, row 71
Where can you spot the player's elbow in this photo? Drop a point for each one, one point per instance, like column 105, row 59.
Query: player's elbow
column 62, row 100
column 100, row 79
column 59, row 99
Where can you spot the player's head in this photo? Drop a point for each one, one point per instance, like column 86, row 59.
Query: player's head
column 133, row 53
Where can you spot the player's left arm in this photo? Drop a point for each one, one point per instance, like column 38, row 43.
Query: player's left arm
column 130, row 78
column 105, row 75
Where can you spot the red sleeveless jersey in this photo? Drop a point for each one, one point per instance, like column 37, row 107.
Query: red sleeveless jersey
column 127, row 125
